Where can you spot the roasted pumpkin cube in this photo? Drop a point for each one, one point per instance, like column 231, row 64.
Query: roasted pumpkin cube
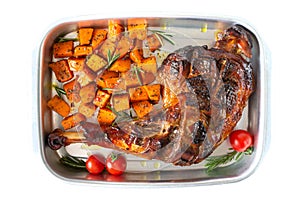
column 85, row 35
column 100, row 80
column 138, row 94
column 87, row 92
column 76, row 64
column 112, row 83
column 123, row 46
column 82, row 50
column 59, row 105
column 87, row 109
column 101, row 98
column 142, row 108
column 153, row 42
column 109, row 74
column 121, row 65
column 120, row 102
column 61, row 70
column 121, row 85
column 149, row 64
column 63, row 49
column 130, row 79
column 72, row 120
column 109, row 84
column 95, row 62
column 137, row 28
column 115, row 28
column 153, row 92
column 99, row 35
column 137, row 54
column 107, row 46
column 72, row 90
column 105, row 116
column 89, row 74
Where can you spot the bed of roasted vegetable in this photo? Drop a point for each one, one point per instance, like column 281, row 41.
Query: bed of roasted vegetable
column 105, row 74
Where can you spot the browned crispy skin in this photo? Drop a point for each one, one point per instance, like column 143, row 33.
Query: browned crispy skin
column 210, row 88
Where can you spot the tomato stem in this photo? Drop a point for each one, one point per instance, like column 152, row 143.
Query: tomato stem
column 114, row 157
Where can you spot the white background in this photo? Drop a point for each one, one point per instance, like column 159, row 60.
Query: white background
column 23, row 23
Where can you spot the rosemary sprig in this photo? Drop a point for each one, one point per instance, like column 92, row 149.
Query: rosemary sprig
column 136, row 71
column 73, row 162
column 63, row 39
column 59, row 91
column 167, row 36
column 216, row 161
column 111, row 59
column 122, row 116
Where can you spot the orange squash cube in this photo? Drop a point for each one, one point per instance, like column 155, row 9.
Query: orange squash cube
column 142, row 108
column 137, row 28
column 115, row 28
column 101, row 98
column 120, row 102
column 106, row 116
column 72, row 120
column 87, row 109
column 61, row 70
column 149, row 64
column 153, row 92
column 76, row 64
column 85, row 35
column 82, row 50
column 72, row 90
column 121, row 65
column 153, row 42
column 58, row 105
column 63, row 49
column 99, row 36
column 138, row 94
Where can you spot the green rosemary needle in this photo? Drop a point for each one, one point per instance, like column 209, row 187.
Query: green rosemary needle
column 59, row 91
column 216, row 161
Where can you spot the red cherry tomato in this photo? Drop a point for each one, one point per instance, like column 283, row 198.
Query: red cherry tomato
column 95, row 164
column 240, row 140
column 116, row 164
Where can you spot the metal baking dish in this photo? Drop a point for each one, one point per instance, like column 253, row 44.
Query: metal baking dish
column 191, row 31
